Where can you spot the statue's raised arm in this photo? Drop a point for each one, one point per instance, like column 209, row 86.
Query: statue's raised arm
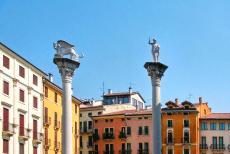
column 155, row 50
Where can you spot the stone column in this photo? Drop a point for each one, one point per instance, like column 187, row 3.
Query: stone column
column 66, row 68
column 156, row 71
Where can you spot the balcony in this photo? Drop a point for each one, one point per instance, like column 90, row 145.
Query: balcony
column 57, row 125
column 203, row 147
column 169, row 141
column 142, row 151
column 7, row 130
column 108, row 136
column 47, row 121
column 23, row 134
column 185, row 140
column 57, row 146
column 47, row 143
column 86, row 130
column 122, row 135
column 109, row 152
column 125, row 152
column 217, row 147
column 37, row 138
column 96, row 137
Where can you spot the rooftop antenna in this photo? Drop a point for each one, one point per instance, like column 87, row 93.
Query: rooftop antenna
column 103, row 88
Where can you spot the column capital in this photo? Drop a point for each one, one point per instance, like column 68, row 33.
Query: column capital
column 155, row 69
column 66, row 67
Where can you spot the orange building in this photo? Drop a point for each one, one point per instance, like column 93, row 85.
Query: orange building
column 123, row 132
column 180, row 126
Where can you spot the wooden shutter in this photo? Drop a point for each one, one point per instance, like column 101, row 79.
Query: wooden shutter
column 6, row 87
column 5, row 146
column 35, row 102
column 21, row 95
column 6, row 62
column 5, row 119
column 35, row 80
column 21, row 125
column 35, row 150
column 35, row 129
column 21, row 148
column 46, row 115
column 21, row 71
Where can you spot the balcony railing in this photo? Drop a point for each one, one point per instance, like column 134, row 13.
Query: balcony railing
column 23, row 133
column 108, row 136
column 47, row 143
column 37, row 137
column 217, row 147
column 125, row 152
column 57, row 125
column 8, row 129
column 122, row 135
column 169, row 140
column 186, row 140
column 47, row 121
column 86, row 130
column 109, row 152
column 203, row 146
column 57, row 145
column 142, row 151
column 96, row 137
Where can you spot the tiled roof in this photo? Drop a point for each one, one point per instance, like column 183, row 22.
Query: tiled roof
column 83, row 106
column 128, row 112
column 217, row 116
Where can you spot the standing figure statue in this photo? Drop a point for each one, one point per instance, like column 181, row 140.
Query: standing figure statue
column 64, row 48
column 155, row 50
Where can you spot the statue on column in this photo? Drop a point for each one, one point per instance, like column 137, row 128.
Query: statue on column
column 64, row 48
column 155, row 50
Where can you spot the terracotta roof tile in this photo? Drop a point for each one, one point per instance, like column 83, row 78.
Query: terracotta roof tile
column 128, row 112
column 217, row 116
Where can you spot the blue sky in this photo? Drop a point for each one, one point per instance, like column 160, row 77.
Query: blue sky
column 194, row 36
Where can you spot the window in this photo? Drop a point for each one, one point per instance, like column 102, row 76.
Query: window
column 146, row 129
column 75, row 108
column 90, row 125
column 81, row 144
column 129, row 147
column 170, row 137
column 55, row 97
column 186, row 137
column 186, row 151
column 90, row 114
column 90, row 141
column 170, row 124
column 128, row 130
column 6, row 62
column 186, row 123
column 170, row 151
column 21, row 125
column 46, row 92
column 35, row 80
column 228, row 126
column 55, row 119
column 6, row 87
column 214, row 142
column 21, row 71
column 221, row 126
column 21, row 95
column 75, row 128
column 35, row 129
column 21, row 148
column 5, row 146
column 146, row 147
column 109, row 148
column 35, row 150
column 96, row 147
column 221, row 142
column 212, row 126
column 35, row 102
column 140, row 130
column 99, row 113
column 204, row 126
column 5, row 119
column 80, row 115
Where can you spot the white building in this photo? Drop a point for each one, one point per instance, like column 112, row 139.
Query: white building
column 215, row 134
column 21, row 104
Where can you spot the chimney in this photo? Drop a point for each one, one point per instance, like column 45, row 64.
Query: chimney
column 177, row 101
column 200, row 100
column 110, row 91
column 130, row 90
column 50, row 76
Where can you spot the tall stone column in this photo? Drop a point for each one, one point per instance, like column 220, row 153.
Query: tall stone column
column 156, row 71
column 66, row 68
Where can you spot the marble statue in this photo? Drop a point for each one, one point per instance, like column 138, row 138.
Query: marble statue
column 155, row 50
column 64, row 48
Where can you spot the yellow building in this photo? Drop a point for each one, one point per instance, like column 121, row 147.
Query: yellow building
column 52, row 119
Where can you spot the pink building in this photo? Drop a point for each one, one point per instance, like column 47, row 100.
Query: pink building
column 131, row 132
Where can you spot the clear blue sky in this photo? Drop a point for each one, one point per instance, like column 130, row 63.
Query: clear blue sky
column 194, row 36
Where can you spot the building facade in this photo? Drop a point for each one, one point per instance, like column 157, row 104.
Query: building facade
column 123, row 132
column 21, row 119
column 180, row 126
column 215, row 133
column 87, row 111
column 53, row 119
